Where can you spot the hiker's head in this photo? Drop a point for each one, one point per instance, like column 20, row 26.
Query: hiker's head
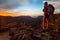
column 45, row 3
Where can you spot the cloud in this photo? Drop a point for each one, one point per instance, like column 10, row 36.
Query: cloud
column 24, row 2
column 8, row 4
column 56, row 3
column 53, row 2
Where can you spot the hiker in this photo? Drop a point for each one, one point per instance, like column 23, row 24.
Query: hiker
column 45, row 18
column 48, row 11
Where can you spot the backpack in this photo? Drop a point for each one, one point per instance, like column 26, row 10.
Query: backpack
column 50, row 9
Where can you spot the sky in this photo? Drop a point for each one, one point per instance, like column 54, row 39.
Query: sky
column 27, row 7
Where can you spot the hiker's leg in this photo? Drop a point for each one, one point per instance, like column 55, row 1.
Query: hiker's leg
column 43, row 23
column 46, row 23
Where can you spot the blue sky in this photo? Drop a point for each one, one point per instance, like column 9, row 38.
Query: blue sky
column 29, row 3
column 28, row 7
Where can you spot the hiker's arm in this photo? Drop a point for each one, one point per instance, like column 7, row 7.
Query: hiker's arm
column 43, row 10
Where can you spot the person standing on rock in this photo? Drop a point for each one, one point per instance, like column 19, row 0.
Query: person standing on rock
column 45, row 18
column 48, row 11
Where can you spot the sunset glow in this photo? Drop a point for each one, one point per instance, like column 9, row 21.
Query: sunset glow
column 26, row 7
column 3, row 13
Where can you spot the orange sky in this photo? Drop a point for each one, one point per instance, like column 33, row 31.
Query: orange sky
column 3, row 13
